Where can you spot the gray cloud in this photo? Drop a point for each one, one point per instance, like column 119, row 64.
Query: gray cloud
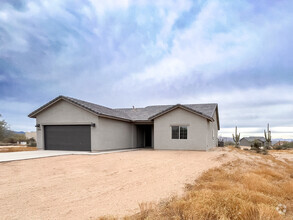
column 237, row 54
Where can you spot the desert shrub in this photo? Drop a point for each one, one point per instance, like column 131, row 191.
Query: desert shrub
column 288, row 145
column 34, row 144
column 221, row 143
column 10, row 140
column 284, row 146
column 229, row 143
column 31, row 142
column 279, row 147
column 256, row 145
column 13, row 138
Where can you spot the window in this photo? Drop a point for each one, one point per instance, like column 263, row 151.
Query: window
column 183, row 132
column 175, row 132
column 179, row 132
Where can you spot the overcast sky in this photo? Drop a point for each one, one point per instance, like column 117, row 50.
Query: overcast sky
column 122, row 53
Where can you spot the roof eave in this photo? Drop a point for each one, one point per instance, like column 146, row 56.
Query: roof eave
column 43, row 107
column 182, row 107
column 143, row 121
column 218, row 119
column 57, row 99
column 114, row 118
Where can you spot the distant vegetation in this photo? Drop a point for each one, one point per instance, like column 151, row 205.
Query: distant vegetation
column 11, row 137
column 256, row 147
column 228, row 143
column 284, row 146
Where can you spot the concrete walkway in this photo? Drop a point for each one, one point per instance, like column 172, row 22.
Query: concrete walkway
column 26, row 155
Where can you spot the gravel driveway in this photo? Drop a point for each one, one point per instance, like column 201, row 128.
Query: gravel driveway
column 88, row 186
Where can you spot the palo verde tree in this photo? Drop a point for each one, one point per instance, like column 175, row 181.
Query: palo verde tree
column 236, row 138
column 268, row 137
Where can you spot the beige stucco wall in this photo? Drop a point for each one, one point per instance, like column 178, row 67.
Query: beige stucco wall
column 107, row 135
column 64, row 113
column 196, row 135
column 115, row 134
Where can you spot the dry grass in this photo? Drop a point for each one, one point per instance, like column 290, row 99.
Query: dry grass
column 243, row 189
column 288, row 151
column 16, row 149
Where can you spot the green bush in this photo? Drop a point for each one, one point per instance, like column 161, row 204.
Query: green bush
column 31, row 142
column 228, row 143
column 288, row 145
column 284, row 146
column 256, row 146
column 10, row 140
column 279, row 147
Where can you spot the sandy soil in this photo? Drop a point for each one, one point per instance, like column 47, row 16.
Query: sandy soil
column 88, row 186
column 283, row 154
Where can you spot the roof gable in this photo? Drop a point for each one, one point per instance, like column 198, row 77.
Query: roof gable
column 135, row 114
column 185, row 107
column 94, row 108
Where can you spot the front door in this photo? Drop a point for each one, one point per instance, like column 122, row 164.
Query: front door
column 144, row 135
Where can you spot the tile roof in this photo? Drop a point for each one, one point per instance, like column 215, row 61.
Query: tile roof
column 131, row 114
column 144, row 114
column 99, row 109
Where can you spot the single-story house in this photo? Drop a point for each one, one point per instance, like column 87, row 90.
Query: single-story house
column 248, row 141
column 70, row 124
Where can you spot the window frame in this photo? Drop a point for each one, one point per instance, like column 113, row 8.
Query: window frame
column 179, row 132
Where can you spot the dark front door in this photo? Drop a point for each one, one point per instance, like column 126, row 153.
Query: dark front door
column 144, row 135
column 148, row 136
column 68, row 137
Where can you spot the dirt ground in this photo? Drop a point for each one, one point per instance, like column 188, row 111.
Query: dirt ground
column 283, row 154
column 88, row 186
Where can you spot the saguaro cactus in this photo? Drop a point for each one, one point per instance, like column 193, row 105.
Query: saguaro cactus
column 268, row 137
column 236, row 138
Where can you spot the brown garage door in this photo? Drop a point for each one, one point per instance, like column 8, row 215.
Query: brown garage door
column 68, row 137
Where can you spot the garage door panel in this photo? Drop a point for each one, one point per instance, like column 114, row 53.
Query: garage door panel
column 68, row 137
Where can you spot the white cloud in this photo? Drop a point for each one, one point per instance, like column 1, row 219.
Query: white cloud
column 212, row 46
column 102, row 7
column 124, row 53
column 3, row 16
column 196, row 53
